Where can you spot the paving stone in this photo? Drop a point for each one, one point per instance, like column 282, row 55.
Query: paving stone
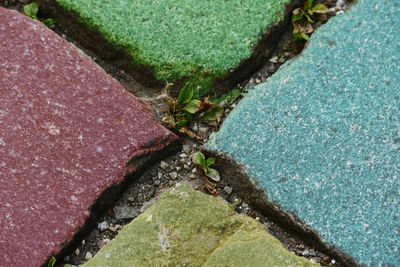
column 322, row 135
column 179, row 39
column 67, row 133
column 187, row 227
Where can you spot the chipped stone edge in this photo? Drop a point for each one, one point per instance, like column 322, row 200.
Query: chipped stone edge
column 247, row 189
column 108, row 197
column 93, row 40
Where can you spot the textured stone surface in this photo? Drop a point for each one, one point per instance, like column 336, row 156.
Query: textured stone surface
column 67, row 132
column 181, row 38
column 187, row 227
column 322, row 135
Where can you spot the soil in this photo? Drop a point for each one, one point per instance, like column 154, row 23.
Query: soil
column 177, row 167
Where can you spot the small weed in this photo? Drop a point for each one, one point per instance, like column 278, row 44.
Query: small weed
column 32, row 9
column 188, row 107
column 303, row 20
column 199, row 159
column 52, row 262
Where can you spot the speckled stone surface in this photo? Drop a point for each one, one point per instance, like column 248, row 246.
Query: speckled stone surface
column 322, row 135
column 67, row 132
column 181, row 38
column 189, row 228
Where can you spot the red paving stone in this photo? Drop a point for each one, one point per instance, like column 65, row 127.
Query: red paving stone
column 67, row 130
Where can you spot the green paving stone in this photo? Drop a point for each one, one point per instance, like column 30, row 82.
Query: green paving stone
column 322, row 135
column 181, row 38
column 189, row 228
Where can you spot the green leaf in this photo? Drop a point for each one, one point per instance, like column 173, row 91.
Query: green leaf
column 210, row 161
column 199, row 159
column 229, row 97
column 193, row 106
column 308, row 17
column 31, row 10
column 297, row 17
column 188, row 117
column 48, row 22
column 213, row 114
column 180, row 124
column 320, row 8
column 305, row 36
column 52, row 262
column 186, row 94
column 309, row 4
column 213, row 174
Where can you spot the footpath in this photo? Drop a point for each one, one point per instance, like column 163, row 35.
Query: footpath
column 313, row 148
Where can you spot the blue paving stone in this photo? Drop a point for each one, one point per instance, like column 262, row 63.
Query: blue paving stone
column 322, row 135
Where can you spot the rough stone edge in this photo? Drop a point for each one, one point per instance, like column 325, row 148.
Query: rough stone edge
column 109, row 196
column 247, row 189
column 68, row 22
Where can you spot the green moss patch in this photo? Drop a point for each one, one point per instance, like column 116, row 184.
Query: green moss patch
column 187, row 227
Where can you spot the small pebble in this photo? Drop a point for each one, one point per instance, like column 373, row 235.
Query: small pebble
column 100, row 244
column 178, row 168
column 192, row 176
column 83, row 242
column 186, row 148
column 159, row 175
column 88, row 256
column 66, row 259
column 203, row 129
column 183, row 155
column 228, row 190
column 157, row 182
column 273, row 60
column 103, row 226
column 77, row 252
column 186, row 167
column 173, row 175
column 333, row 261
column 163, row 165
column 305, row 253
column 258, row 81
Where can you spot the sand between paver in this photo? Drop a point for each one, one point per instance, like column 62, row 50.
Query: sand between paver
column 322, row 135
column 68, row 132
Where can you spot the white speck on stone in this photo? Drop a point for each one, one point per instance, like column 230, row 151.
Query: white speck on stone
column 149, row 218
column 107, row 256
column 2, row 143
column 73, row 198
column 53, row 130
column 99, row 149
column 294, row 108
